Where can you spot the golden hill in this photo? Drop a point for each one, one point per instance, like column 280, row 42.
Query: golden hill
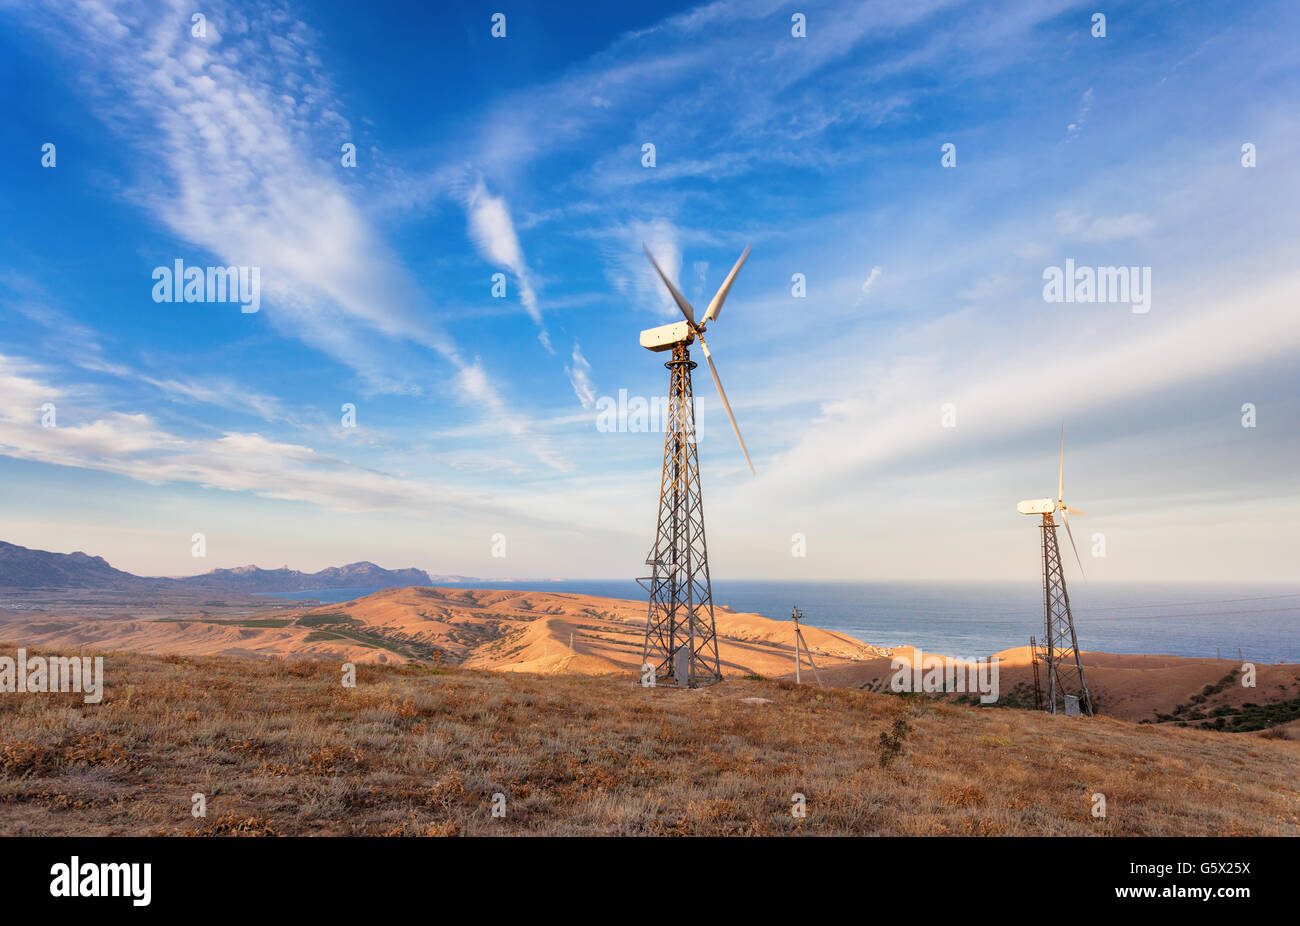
column 491, row 629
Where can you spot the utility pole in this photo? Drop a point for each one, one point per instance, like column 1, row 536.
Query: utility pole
column 800, row 648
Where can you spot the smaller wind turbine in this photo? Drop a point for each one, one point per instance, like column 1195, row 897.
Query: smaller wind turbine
column 1060, row 644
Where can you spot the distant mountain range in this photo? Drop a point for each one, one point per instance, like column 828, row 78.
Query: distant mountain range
column 284, row 579
column 21, row 567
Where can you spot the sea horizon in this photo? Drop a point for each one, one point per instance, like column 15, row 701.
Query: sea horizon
column 980, row 617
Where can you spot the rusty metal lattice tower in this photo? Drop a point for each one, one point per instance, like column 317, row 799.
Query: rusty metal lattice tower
column 681, row 642
column 1060, row 655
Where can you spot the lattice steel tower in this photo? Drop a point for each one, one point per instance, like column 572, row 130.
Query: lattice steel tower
column 681, row 641
column 1059, row 653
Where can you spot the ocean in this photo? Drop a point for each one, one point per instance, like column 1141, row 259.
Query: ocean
column 1262, row 620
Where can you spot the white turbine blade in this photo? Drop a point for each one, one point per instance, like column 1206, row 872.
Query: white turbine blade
column 1075, row 511
column 716, row 305
column 727, row 405
column 1060, row 475
column 677, row 297
column 1066, row 518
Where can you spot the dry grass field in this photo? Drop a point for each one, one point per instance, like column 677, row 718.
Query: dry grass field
column 281, row 747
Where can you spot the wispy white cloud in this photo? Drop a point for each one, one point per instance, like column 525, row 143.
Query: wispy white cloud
column 138, row 447
column 580, row 376
column 247, row 129
column 21, row 392
column 1088, row 227
column 870, row 281
column 493, row 232
column 1081, row 115
column 224, row 393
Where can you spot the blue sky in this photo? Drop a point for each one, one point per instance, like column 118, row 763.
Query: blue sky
column 476, row 416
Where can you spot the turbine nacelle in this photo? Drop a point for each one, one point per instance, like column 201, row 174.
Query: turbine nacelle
column 665, row 336
column 1037, row 506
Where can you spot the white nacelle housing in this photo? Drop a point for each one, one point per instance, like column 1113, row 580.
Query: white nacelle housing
column 1037, row 506
column 665, row 336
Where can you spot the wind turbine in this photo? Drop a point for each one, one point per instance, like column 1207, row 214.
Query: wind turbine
column 1060, row 644
column 681, row 642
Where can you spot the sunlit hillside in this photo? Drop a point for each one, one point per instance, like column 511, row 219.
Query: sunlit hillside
column 284, row 747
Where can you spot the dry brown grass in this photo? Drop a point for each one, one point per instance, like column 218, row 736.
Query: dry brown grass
column 282, row 748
